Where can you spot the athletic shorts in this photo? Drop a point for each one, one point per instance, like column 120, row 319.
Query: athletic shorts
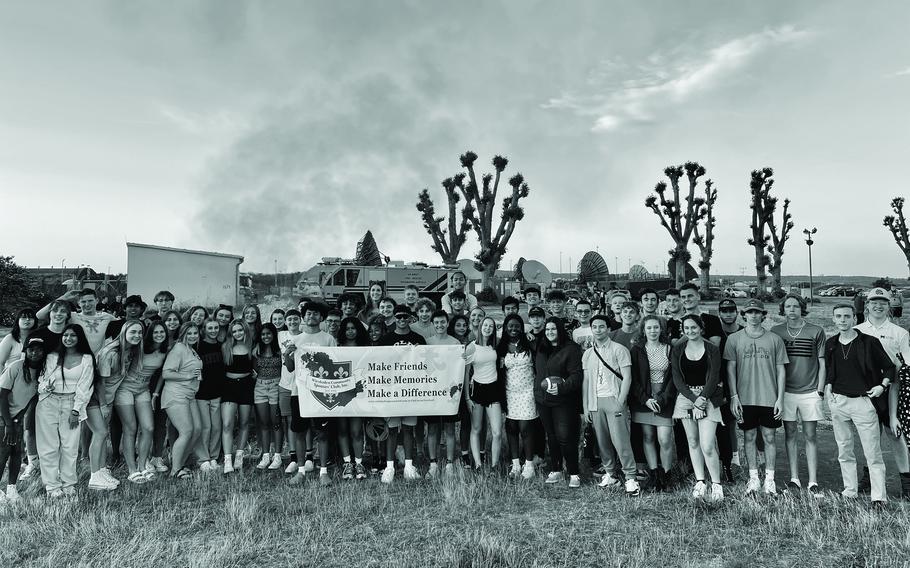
column 397, row 421
column 807, row 405
column 284, row 402
column 300, row 425
column 125, row 397
column 755, row 416
column 266, row 391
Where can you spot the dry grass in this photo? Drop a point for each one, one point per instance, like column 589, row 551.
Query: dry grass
column 256, row 518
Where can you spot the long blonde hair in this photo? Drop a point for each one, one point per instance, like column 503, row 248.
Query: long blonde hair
column 227, row 348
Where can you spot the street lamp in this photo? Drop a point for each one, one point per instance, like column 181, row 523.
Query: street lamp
column 810, row 242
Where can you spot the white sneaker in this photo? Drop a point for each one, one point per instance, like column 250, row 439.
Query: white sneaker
column 770, row 487
column 12, row 494
column 30, row 469
column 308, row 466
column 433, row 472
column 149, row 470
column 528, row 471
column 608, row 481
column 449, row 469
column 238, row 460
column 753, row 485
column 699, row 491
column 276, row 461
column 515, row 471
column 264, row 461
column 159, row 465
column 291, row 468
column 98, row 482
column 632, row 487
column 214, row 464
column 54, row 493
column 574, row 481
column 205, row 466
column 410, row 473
column 107, row 474
column 228, row 466
column 717, row 492
column 555, row 477
column 388, row 474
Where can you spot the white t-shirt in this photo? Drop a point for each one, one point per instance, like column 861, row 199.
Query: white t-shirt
column 483, row 357
column 287, row 377
column 894, row 338
column 94, row 327
column 446, row 340
column 304, row 339
column 605, row 381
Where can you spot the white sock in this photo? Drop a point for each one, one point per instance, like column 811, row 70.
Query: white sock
column 408, row 463
column 769, row 475
column 347, row 459
column 753, row 474
column 358, row 460
column 390, row 464
column 516, row 463
column 323, row 471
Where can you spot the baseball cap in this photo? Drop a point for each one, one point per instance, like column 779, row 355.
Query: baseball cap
column 536, row 311
column 754, row 305
column 726, row 303
column 34, row 342
column 403, row 309
column 878, row 294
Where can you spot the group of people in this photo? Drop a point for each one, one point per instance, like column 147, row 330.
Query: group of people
column 661, row 385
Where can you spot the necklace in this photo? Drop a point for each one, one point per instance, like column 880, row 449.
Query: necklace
column 800, row 330
column 846, row 353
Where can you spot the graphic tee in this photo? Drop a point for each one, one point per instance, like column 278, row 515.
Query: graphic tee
column 756, row 366
column 304, row 339
column 94, row 327
column 803, row 351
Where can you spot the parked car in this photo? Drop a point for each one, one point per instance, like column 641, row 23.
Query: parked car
column 734, row 293
column 847, row 291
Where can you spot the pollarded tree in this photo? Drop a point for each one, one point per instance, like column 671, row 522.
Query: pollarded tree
column 769, row 248
column 897, row 224
column 679, row 220
column 448, row 235
column 706, row 242
column 480, row 210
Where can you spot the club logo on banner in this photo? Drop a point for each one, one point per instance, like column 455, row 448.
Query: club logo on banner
column 380, row 381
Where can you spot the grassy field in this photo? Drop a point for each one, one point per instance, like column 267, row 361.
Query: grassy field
column 255, row 518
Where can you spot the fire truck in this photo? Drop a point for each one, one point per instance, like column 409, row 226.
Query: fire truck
column 334, row 276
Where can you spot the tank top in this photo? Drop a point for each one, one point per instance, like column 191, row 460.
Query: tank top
column 240, row 364
column 268, row 367
column 695, row 373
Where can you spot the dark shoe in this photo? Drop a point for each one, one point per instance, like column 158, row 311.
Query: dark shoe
column 663, row 481
column 865, row 484
column 815, row 491
column 793, row 487
column 905, row 485
column 728, row 476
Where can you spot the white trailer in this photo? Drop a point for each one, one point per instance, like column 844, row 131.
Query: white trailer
column 195, row 277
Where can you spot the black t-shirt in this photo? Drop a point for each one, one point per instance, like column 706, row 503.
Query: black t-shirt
column 713, row 326
column 51, row 338
column 723, row 366
column 850, row 376
column 409, row 338
column 613, row 324
column 213, row 370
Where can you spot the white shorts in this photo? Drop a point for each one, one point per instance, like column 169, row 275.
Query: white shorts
column 808, row 405
column 397, row 421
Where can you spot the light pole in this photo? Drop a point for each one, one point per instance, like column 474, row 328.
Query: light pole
column 560, row 262
column 810, row 242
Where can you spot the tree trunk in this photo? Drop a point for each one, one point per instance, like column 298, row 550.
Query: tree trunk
column 705, row 281
column 761, row 273
column 775, row 274
column 680, row 266
column 489, row 272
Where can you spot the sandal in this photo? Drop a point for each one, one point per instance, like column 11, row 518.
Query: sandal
column 137, row 477
column 184, row 473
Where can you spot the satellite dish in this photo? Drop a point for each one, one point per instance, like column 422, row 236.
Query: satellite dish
column 690, row 270
column 534, row 272
column 592, row 268
column 466, row 265
column 638, row 272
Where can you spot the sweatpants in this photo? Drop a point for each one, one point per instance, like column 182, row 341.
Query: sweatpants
column 58, row 443
column 611, row 424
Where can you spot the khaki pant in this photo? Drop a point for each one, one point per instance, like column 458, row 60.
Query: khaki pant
column 611, row 424
column 861, row 413
column 58, row 444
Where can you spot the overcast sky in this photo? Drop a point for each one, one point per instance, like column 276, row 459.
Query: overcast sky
column 285, row 130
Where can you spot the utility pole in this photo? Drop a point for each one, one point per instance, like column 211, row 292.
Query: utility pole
column 810, row 242
column 560, row 262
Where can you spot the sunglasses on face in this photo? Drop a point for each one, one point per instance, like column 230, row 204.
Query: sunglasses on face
column 402, row 316
column 727, row 310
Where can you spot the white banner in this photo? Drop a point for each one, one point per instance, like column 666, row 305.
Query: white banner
column 380, row 381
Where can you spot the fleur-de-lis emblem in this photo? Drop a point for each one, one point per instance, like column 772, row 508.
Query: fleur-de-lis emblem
column 321, row 373
column 341, row 373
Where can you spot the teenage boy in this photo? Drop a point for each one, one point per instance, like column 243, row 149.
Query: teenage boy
column 556, row 306
column 510, row 305
column 457, row 302
column 292, row 321
column 311, row 336
column 387, row 310
column 582, row 335
column 859, row 371
column 896, row 342
column 164, row 302
column 411, row 295
column 93, row 322
column 424, row 324
column 133, row 310
column 805, row 344
column 690, row 298
column 628, row 315
column 401, row 335
column 349, row 304
column 614, row 309
column 672, row 310
column 649, row 302
column 755, row 367
column 727, row 442
column 537, row 319
column 457, row 284
column 333, row 322
column 532, row 296
column 441, row 337
column 607, row 379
